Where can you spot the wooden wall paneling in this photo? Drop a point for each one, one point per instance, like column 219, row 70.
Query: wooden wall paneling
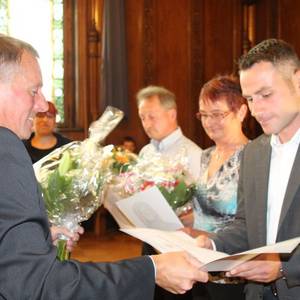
column 149, row 43
column 289, row 22
column 94, row 27
column 197, row 68
column 135, row 22
column 266, row 19
column 237, row 34
column 220, row 37
column 249, row 32
column 172, row 48
column 220, row 45
column 74, row 56
column 81, row 65
column 82, row 27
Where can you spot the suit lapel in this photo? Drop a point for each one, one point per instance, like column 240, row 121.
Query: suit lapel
column 261, row 186
column 292, row 187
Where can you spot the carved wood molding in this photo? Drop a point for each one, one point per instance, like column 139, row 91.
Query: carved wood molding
column 148, row 43
column 197, row 65
column 93, row 40
column 94, row 60
column 248, row 25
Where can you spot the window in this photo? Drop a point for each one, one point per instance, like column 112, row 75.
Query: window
column 40, row 23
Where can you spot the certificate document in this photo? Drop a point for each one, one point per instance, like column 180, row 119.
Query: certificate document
column 170, row 241
column 149, row 209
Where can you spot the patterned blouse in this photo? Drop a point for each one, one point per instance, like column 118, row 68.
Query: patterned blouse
column 215, row 202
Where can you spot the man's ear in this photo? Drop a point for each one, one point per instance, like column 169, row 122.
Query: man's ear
column 296, row 81
column 242, row 112
column 173, row 113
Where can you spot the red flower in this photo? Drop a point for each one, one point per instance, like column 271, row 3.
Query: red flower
column 146, row 184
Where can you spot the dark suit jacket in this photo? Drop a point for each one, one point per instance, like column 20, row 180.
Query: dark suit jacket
column 249, row 228
column 28, row 265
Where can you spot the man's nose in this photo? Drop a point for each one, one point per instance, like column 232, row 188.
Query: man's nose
column 41, row 102
column 255, row 107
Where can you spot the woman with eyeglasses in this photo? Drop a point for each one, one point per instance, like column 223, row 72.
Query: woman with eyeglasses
column 44, row 139
column 222, row 110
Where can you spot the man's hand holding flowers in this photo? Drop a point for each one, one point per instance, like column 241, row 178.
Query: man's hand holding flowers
column 73, row 237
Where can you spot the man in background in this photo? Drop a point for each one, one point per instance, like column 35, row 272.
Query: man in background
column 128, row 143
column 158, row 113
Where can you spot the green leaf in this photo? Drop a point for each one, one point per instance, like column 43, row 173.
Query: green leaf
column 179, row 196
column 65, row 163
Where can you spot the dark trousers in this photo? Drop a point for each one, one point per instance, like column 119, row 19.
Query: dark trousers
column 268, row 294
column 218, row 291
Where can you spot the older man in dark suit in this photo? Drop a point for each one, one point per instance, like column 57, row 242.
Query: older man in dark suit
column 28, row 265
column 269, row 192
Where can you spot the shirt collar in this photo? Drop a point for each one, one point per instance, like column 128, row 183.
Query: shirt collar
column 275, row 141
column 167, row 141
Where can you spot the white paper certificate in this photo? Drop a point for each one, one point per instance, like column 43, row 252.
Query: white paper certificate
column 166, row 241
column 149, row 209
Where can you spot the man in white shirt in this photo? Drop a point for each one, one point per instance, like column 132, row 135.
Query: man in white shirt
column 158, row 113
column 269, row 192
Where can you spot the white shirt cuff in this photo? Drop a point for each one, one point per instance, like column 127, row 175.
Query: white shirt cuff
column 154, row 266
column 213, row 245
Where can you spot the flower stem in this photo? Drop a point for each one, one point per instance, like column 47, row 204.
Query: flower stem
column 62, row 252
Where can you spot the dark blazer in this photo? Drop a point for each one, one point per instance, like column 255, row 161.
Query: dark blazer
column 249, row 228
column 28, row 265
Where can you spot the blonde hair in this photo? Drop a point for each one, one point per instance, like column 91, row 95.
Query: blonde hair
column 166, row 98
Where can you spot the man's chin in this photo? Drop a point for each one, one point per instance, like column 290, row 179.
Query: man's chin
column 270, row 130
column 25, row 135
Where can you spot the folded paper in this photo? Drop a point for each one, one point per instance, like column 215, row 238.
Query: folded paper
column 166, row 241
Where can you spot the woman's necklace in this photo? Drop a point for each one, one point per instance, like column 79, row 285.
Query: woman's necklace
column 217, row 155
column 222, row 155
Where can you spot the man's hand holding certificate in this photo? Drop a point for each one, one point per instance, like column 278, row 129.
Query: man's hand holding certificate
column 154, row 222
column 169, row 241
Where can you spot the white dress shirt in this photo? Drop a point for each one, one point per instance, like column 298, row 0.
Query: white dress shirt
column 175, row 145
column 282, row 160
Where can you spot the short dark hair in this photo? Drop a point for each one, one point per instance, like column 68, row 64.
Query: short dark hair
column 128, row 139
column 274, row 51
column 225, row 87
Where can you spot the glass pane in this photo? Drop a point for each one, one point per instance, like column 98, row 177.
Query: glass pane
column 58, row 57
column 18, row 19
column 3, row 17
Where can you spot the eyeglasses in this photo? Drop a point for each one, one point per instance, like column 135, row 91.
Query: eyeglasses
column 45, row 114
column 215, row 116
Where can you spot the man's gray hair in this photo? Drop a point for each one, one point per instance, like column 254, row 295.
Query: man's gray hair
column 11, row 50
column 167, row 99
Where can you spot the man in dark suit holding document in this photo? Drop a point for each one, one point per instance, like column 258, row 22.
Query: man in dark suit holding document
column 28, row 263
column 269, row 192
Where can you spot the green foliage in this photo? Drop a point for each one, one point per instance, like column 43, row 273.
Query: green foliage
column 59, row 188
column 179, row 195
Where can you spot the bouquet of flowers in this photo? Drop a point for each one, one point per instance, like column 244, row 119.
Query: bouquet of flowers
column 121, row 160
column 169, row 175
column 73, row 177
